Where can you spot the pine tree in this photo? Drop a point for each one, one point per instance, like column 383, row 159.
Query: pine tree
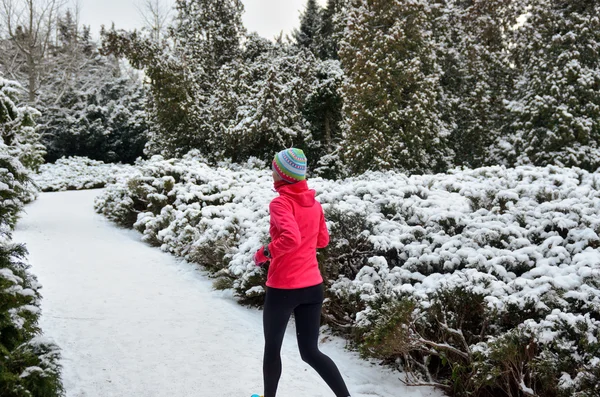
column 231, row 96
column 310, row 22
column 392, row 88
column 105, row 121
column 555, row 114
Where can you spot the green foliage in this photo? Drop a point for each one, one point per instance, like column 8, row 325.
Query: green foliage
column 208, row 35
column 258, row 103
column 251, row 289
column 126, row 203
column 28, row 365
column 326, row 42
column 349, row 246
column 18, row 128
column 323, row 112
column 388, row 337
column 17, row 191
column 106, row 122
column 477, row 77
column 31, row 370
column 223, row 283
column 556, row 108
column 170, row 128
column 392, row 88
column 310, row 25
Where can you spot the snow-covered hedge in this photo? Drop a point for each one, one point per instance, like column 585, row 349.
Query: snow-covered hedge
column 28, row 363
column 480, row 281
column 77, row 173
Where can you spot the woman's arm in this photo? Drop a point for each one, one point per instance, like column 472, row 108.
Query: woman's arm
column 283, row 219
column 323, row 238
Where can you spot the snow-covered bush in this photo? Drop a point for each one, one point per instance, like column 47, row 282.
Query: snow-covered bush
column 444, row 274
column 77, row 173
column 16, row 188
column 18, row 130
column 28, row 363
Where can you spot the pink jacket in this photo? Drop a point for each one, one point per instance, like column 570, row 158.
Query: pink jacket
column 297, row 229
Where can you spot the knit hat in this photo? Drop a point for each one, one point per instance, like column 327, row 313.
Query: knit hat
column 290, row 165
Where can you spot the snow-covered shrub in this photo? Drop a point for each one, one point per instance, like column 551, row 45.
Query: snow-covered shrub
column 18, row 130
column 92, row 105
column 77, row 173
column 214, row 217
column 16, row 188
column 438, row 273
column 559, row 354
column 28, row 363
column 479, row 253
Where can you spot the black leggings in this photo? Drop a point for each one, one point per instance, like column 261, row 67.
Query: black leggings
column 306, row 304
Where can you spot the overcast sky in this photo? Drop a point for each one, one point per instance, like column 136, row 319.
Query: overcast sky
column 267, row 17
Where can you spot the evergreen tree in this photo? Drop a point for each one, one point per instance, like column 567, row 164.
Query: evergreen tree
column 167, row 102
column 310, row 24
column 18, row 130
column 323, row 113
column 330, row 30
column 28, row 366
column 207, row 36
column 472, row 52
column 106, row 121
column 555, row 114
column 89, row 107
column 392, row 88
column 269, row 115
column 231, row 96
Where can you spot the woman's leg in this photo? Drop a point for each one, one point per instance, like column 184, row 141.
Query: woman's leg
column 276, row 314
column 308, row 321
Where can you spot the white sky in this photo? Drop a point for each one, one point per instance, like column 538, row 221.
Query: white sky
column 267, row 17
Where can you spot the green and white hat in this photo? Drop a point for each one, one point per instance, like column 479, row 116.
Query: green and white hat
column 290, row 165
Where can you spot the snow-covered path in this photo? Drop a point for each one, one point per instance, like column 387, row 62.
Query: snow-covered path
column 133, row 321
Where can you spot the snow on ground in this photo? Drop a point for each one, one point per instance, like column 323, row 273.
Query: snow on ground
column 134, row 321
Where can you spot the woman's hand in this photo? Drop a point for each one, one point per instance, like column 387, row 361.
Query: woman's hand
column 260, row 258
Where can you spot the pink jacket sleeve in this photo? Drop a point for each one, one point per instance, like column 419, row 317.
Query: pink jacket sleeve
column 323, row 239
column 289, row 234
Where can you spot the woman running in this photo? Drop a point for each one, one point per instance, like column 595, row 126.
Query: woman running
column 294, row 282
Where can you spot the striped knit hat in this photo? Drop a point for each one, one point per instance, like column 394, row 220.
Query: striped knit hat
column 290, row 164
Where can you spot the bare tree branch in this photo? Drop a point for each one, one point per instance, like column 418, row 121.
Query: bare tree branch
column 30, row 25
column 155, row 15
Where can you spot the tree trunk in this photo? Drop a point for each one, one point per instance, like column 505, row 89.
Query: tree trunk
column 328, row 131
column 32, row 78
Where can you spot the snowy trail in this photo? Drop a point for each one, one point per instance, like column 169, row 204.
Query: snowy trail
column 134, row 321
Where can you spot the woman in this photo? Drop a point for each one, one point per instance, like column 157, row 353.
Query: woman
column 294, row 282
